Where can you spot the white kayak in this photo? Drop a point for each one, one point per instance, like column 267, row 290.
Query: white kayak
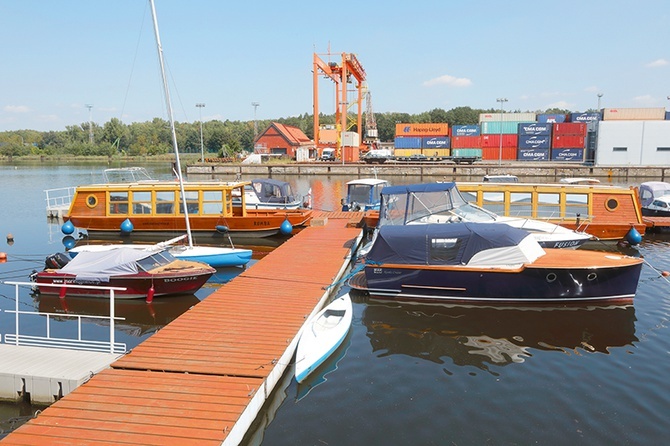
column 322, row 335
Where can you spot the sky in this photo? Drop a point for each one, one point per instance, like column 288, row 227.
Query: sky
column 70, row 61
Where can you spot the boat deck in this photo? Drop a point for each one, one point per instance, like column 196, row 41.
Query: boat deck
column 203, row 378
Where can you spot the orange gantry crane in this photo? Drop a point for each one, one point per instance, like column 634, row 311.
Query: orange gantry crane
column 350, row 71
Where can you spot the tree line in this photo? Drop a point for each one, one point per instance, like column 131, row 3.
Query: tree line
column 219, row 138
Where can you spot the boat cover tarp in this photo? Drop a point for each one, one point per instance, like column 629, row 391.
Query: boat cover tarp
column 653, row 189
column 473, row 244
column 101, row 265
column 404, row 204
column 269, row 190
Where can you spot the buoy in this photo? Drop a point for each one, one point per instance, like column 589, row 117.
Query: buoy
column 221, row 228
column 69, row 242
column 10, row 237
column 150, row 294
column 127, row 226
column 633, row 237
column 67, row 228
column 3, row 257
column 665, row 273
column 286, row 227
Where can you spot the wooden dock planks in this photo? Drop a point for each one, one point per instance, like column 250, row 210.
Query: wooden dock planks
column 190, row 382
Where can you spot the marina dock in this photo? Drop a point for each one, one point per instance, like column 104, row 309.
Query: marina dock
column 205, row 377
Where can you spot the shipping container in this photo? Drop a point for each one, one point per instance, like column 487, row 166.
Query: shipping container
column 584, row 117
column 567, row 141
column 574, row 154
column 493, row 140
column 435, row 142
column 437, row 129
column 466, row 153
column 494, row 153
column 533, row 155
column 351, row 154
column 667, row 116
column 507, row 127
column 407, row 142
column 534, row 142
column 550, row 117
column 466, row 142
column 570, row 128
column 634, row 114
column 465, row 130
column 328, row 136
column 351, row 139
column 534, row 128
column 406, row 153
column 504, row 117
column 436, row 153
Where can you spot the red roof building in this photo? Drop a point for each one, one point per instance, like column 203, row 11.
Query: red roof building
column 282, row 139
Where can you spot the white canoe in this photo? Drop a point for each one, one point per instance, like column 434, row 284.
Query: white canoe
column 322, row 335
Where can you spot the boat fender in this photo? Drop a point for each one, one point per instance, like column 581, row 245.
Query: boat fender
column 127, row 226
column 222, row 229
column 67, row 228
column 3, row 257
column 633, row 237
column 150, row 294
column 286, row 227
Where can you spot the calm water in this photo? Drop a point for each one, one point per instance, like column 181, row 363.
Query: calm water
column 415, row 374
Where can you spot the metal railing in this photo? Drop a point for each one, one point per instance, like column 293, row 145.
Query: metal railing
column 59, row 198
column 48, row 340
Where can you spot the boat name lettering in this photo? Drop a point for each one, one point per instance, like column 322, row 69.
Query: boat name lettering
column 261, row 223
column 179, row 279
column 566, row 244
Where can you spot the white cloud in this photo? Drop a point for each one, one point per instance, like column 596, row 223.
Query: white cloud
column 592, row 90
column 657, row 63
column 448, row 80
column 561, row 104
column 16, row 109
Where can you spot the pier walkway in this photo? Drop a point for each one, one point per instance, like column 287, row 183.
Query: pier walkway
column 203, row 379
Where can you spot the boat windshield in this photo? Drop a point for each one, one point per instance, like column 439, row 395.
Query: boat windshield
column 126, row 175
column 425, row 206
column 155, row 260
column 360, row 193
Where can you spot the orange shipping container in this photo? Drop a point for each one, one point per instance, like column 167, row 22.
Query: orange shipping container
column 493, row 153
column 438, row 129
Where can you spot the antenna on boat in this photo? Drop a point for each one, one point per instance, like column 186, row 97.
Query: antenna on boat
column 166, row 88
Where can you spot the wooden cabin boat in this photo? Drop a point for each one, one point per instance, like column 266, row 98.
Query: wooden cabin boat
column 604, row 211
column 154, row 207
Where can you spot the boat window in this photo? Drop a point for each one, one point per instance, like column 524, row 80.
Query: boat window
column 142, row 202
column 444, row 249
column 470, row 197
column 212, row 202
column 191, row 202
column 576, row 204
column 494, row 202
column 660, row 204
column 91, row 201
column 611, row 204
column 520, row 204
column 118, row 203
column 360, row 193
column 165, row 202
column 548, row 205
column 155, row 260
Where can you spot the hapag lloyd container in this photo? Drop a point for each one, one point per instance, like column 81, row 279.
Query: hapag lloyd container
column 570, row 128
column 535, row 128
column 533, row 155
column 407, row 142
column 584, row 117
column 435, row 142
column 567, row 141
column 534, row 142
column 574, row 154
column 466, row 142
column 422, row 129
column 519, row 117
column 548, row 117
column 634, row 114
column 465, row 130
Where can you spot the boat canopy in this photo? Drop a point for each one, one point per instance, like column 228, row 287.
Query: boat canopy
column 651, row 190
column 272, row 191
column 401, row 205
column 101, row 265
column 471, row 244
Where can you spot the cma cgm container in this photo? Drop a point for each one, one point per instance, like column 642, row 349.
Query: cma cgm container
column 534, row 142
column 438, row 129
column 567, row 141
column 407, row 142
column 574, row 154
column 494, row 153
column 465, row 130
column 534, row 128
column 508, row 140
column 570, row 128
column 634, row 114
column 466, row 142
column 584, row 117
column 533, row 155
column 504, row 117
column 548, row 117
column 496, row 127
column 435, row 142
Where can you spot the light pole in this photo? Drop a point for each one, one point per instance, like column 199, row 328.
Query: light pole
column 502, row 101
column 90, row 124
column 255, row 106
column 600, row 95
column 200, row 106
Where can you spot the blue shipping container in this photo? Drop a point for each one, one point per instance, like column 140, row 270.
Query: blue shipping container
column 535, row 129
column 407, row 142
column 547, row 117
column 435, row 142
column 465, row 130
column 667, row 116
column 585, row 117
column 534, row 142
column 533, row 155
column 567, row 154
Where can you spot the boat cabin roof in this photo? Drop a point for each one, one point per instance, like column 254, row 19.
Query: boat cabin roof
column 367, row 182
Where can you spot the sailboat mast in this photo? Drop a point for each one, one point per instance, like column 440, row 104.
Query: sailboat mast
column 168, row 104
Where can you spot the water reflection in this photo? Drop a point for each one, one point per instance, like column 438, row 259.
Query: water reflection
column 476, row 336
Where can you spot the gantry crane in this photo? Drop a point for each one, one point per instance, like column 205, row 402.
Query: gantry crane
column 347, row 72
column 371, row 134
